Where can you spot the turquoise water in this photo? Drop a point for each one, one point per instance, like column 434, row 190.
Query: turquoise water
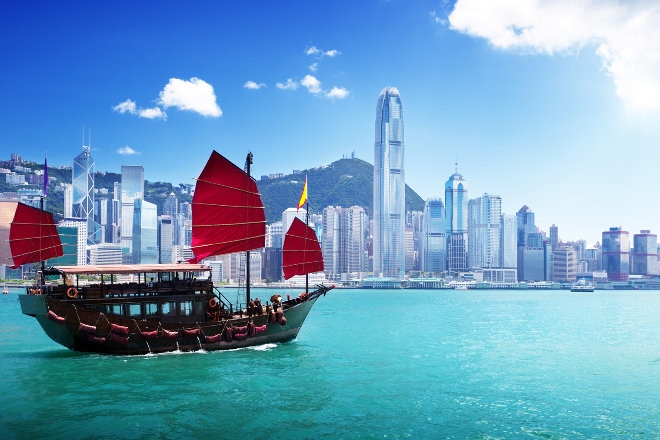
column 367, row 364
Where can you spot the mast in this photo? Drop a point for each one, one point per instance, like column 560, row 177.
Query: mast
column 306, row 224
column 43, row 196
column 248, row 162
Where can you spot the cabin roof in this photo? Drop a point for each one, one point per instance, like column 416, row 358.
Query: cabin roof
column 129, row 268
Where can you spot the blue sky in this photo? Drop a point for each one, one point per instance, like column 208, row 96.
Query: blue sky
column 550, row 104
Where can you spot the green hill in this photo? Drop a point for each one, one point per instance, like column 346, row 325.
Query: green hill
column 346, row 182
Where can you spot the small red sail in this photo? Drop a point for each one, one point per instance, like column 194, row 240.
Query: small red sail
column 227, row 212
column 301, row 253
column 27, row 235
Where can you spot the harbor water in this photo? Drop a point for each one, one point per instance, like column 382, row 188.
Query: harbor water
column 372, row 364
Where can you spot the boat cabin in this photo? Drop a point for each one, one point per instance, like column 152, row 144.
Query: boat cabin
column 154, row 292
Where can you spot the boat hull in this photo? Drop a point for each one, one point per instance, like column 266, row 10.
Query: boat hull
column 84, row 330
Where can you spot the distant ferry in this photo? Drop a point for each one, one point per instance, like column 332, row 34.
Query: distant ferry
column 582, row 286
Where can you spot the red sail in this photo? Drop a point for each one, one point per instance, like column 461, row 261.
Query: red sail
column 301, row 253
column 27, row 235
column 227, row 212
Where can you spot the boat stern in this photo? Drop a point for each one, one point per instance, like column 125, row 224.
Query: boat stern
column 55, row 327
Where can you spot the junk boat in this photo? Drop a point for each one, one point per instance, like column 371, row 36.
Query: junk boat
column 154, row 308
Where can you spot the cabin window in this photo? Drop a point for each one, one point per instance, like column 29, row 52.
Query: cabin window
column 134, row 310
column 185, row 308
column 199, row 307
column 114, row 309
column 168, row 309
column 151, row 309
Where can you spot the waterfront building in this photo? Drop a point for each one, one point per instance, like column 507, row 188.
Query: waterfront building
column 171, row 208
column 616, row 254
column 484, row 232
column 271, row 269
column 508, row 241
column 343, row 242
column 274, row 235
column 132, row 188
column 145, row 233
column 526, row 224
column 533, row 263
column 389, row 195
column 103, row 218
column 68, row 200
column 69, row 238
column 104, row 253
column 645, row 253
column 554, row 236
column 217, row 271
column 80, row 226
column 165, row 238
column 289, row 214
column 456, row 218
column 433, row 246
column 564, row 263
column 82, row 176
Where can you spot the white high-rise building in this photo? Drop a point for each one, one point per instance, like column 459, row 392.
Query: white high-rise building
column 484, row 232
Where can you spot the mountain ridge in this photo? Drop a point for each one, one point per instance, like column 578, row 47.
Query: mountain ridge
column 345, row 182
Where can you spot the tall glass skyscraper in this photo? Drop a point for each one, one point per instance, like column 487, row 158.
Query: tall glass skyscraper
column 434, row 240
column 616, row 254
column 389, row 187
column 456, row 221
column 82, row 175
column 132, row 188
column 145, row 233
column 645, row 253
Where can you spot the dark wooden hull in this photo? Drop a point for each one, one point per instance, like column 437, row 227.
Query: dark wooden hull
column 81, row 328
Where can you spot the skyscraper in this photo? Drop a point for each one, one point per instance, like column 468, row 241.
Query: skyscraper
column 616, row 254
column 389, row 187
column 645, row 253
column 82, row 174
column 132, row 188
column 484, row 232
column 434, row 242
column 145, row 233
column 343, row 244
column 456, row 220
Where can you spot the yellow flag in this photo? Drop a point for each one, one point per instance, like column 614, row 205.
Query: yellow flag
column 303, row 196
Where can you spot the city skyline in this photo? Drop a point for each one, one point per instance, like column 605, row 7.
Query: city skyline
column 537, row 106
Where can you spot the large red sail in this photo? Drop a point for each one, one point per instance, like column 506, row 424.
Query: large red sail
column 227, row 212
column 301, row 253
column 27, row 235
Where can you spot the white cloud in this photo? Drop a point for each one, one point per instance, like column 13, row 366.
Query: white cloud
column 315, row 51
column 152, row 113
column 312, row 50
column 127, row 106
column 288, row 85
column 312, row 84
column 313, row 67
column 127, row 151
column 626, row 36
column 195, row 95
column 337, row 93
column 251, row 85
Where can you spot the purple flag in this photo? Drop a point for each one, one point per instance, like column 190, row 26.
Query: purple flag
column 45, row 175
